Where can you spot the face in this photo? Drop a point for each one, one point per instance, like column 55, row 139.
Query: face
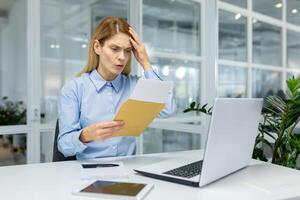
column 114, row 55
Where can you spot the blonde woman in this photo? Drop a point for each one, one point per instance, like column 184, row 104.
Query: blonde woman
column 88, row 103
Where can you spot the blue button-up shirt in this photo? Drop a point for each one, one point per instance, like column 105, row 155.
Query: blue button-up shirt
column 89, row 99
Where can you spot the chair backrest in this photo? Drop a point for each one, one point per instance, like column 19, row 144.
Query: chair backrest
column 57, row 155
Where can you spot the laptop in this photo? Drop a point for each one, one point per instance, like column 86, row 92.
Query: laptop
column 230, row 142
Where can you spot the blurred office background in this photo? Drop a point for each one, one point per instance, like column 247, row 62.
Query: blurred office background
column 255, row 45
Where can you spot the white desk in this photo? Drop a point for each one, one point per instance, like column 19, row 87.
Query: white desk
column 57, row 181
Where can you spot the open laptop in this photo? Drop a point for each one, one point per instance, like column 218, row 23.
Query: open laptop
column 229, row 147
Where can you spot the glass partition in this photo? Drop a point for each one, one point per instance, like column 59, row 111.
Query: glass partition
column 232, row 81
column 47, row 141
column 158, row 140
column 266, row 44
column 13, row 63
column 232, row 36
column 13, row 149
column 272, row 8
column 293, row 11
column 293, row 49
column 266, row 83
column 185, row 75
column 66, row 27
column 176, row 30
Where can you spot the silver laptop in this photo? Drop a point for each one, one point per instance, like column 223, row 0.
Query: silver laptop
column 229, row 147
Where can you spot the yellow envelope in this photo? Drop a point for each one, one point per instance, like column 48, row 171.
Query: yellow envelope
column 137, row 116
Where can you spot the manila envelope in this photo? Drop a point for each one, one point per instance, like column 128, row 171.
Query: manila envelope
column 137, row 116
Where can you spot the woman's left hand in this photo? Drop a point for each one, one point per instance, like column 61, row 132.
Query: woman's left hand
column 139, row 50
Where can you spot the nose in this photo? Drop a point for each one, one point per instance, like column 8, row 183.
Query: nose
column 121, row 55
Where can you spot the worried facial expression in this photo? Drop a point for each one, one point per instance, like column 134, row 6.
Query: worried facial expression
column 114, row 54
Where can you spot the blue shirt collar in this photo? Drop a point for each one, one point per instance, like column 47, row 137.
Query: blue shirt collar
column 99, row 82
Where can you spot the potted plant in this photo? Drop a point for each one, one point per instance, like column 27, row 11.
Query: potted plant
column 277, row 130
column 12, row 113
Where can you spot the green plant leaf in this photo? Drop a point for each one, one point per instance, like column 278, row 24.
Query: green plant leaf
column 192, row 105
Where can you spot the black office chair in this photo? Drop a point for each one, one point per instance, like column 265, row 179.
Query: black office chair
column 57, row 155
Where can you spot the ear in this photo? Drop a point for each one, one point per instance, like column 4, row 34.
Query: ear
column 97, row 47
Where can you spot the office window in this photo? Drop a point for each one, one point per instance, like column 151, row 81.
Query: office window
column 13, row 81
column 232, row 36
column 185, row 75
column 13, row 60
column 266, row 83
column 174, row 45
column 293, row 49
column 293, row 11
column 177, row 35
column 232, row 81
column 266, row 44
column 46, row 147
column 272, row 8
column 240, row 3
column 261, row 71
column 12, row 149
column 158, row 140
column 176, row 31
column 290, row 75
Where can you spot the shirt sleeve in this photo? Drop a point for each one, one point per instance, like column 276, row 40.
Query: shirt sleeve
column 170, row 106
column 69, row 123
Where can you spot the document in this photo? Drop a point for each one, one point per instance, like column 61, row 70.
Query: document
column 146, row 102
column 117, row 171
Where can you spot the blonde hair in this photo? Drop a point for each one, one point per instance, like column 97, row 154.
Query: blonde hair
column 109, row 27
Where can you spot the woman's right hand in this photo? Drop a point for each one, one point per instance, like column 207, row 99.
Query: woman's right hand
column 100, row 131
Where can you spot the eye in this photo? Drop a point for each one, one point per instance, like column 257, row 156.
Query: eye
column 127, row 50
column 114, row 49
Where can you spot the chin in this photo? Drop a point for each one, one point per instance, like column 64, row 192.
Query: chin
column 118, row 71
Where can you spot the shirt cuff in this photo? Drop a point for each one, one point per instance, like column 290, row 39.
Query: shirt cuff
column 80, row 146
column 152, row 74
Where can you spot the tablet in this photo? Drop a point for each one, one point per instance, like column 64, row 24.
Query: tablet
column 116, row 190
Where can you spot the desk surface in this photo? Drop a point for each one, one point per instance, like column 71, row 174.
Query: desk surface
column 58, row 180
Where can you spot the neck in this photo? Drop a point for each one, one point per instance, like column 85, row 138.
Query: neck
column 106, row 75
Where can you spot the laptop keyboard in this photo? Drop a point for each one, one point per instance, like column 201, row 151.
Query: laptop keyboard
column 187, row 171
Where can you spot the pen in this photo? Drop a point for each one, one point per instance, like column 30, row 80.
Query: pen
column 98, row 165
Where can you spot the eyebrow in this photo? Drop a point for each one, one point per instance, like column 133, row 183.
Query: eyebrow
column 112, row 44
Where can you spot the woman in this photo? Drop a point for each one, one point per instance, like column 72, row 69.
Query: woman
column 88, row 103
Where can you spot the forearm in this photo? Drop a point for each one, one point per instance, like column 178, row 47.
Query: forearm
column 69, row 143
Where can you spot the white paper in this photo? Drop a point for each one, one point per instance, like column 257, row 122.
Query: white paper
column 152, row 90
column 104, row 172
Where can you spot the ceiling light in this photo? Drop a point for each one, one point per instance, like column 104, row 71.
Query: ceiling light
column 166, row 70
column 278, row 5
column 83, row 46
column 180, row 72
column 237, row 16
column 52, row 46
column 294, row 11
column 57, row 46
column 254, row 21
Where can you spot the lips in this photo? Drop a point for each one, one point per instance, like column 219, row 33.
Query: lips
column 120, row 66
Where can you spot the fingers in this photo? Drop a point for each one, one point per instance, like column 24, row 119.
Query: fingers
column 105, row 130
column 109, row 130
column 134, row 36
column 134, row 44
column 103, row 136
column 109, row 124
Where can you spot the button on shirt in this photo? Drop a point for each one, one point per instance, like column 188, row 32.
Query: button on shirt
column 89, row 99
